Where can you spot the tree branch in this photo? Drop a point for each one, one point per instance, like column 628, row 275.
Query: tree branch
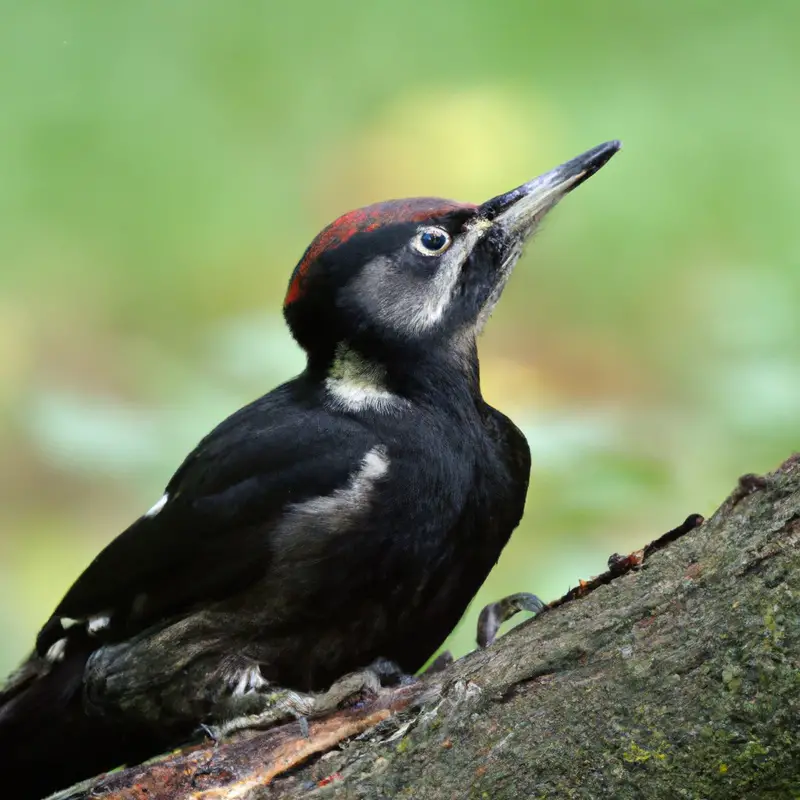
column 679, row 678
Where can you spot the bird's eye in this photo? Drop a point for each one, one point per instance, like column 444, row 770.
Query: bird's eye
column 431, row 241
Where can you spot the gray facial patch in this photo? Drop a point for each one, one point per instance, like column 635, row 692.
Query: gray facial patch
column 412, row 304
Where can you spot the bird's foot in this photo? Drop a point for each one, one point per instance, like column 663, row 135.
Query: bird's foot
column 495, row 614
column 284, row 704
column 278, row 705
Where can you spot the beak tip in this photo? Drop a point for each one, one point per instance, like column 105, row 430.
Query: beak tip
column 553, row 185
column 599, row 156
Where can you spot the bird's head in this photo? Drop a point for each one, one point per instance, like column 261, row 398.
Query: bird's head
column 417, row 275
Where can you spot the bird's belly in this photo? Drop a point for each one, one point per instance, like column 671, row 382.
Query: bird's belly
column 403, row 618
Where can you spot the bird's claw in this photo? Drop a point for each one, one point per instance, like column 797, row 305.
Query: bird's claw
column 279, row 705
column 495, row 614
column 211, row 731
column 283, row 704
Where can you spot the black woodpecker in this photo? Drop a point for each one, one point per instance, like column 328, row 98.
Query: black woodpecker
column 343, row 520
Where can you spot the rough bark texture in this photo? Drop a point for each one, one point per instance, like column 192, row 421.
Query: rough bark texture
column 677, row 679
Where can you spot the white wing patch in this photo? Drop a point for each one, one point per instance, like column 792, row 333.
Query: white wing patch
column 56, row 651
column 97, row 623
column 333, row 512
column 355, row 496
column 158, row 506
column 93, row 625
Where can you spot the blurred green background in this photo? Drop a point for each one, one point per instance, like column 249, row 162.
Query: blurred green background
column 164, row 165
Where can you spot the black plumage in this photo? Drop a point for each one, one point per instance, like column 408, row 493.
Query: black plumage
column 349, row 515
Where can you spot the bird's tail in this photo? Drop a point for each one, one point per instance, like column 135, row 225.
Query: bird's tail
column 47, row 741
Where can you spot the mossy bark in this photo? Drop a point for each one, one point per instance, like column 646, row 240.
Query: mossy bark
column 679, row 679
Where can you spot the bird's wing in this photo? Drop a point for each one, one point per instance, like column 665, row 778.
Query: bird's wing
column 212, row 529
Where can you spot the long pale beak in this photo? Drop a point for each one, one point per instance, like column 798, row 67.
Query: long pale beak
column 521, row 209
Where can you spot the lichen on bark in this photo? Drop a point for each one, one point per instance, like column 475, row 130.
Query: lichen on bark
column 678, row 679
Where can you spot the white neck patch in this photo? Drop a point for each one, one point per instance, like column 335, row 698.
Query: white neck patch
column 356, row 384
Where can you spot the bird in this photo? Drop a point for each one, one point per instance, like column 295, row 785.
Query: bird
column 340, row 523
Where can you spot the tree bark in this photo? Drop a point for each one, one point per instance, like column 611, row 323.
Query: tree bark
column 679, row 678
